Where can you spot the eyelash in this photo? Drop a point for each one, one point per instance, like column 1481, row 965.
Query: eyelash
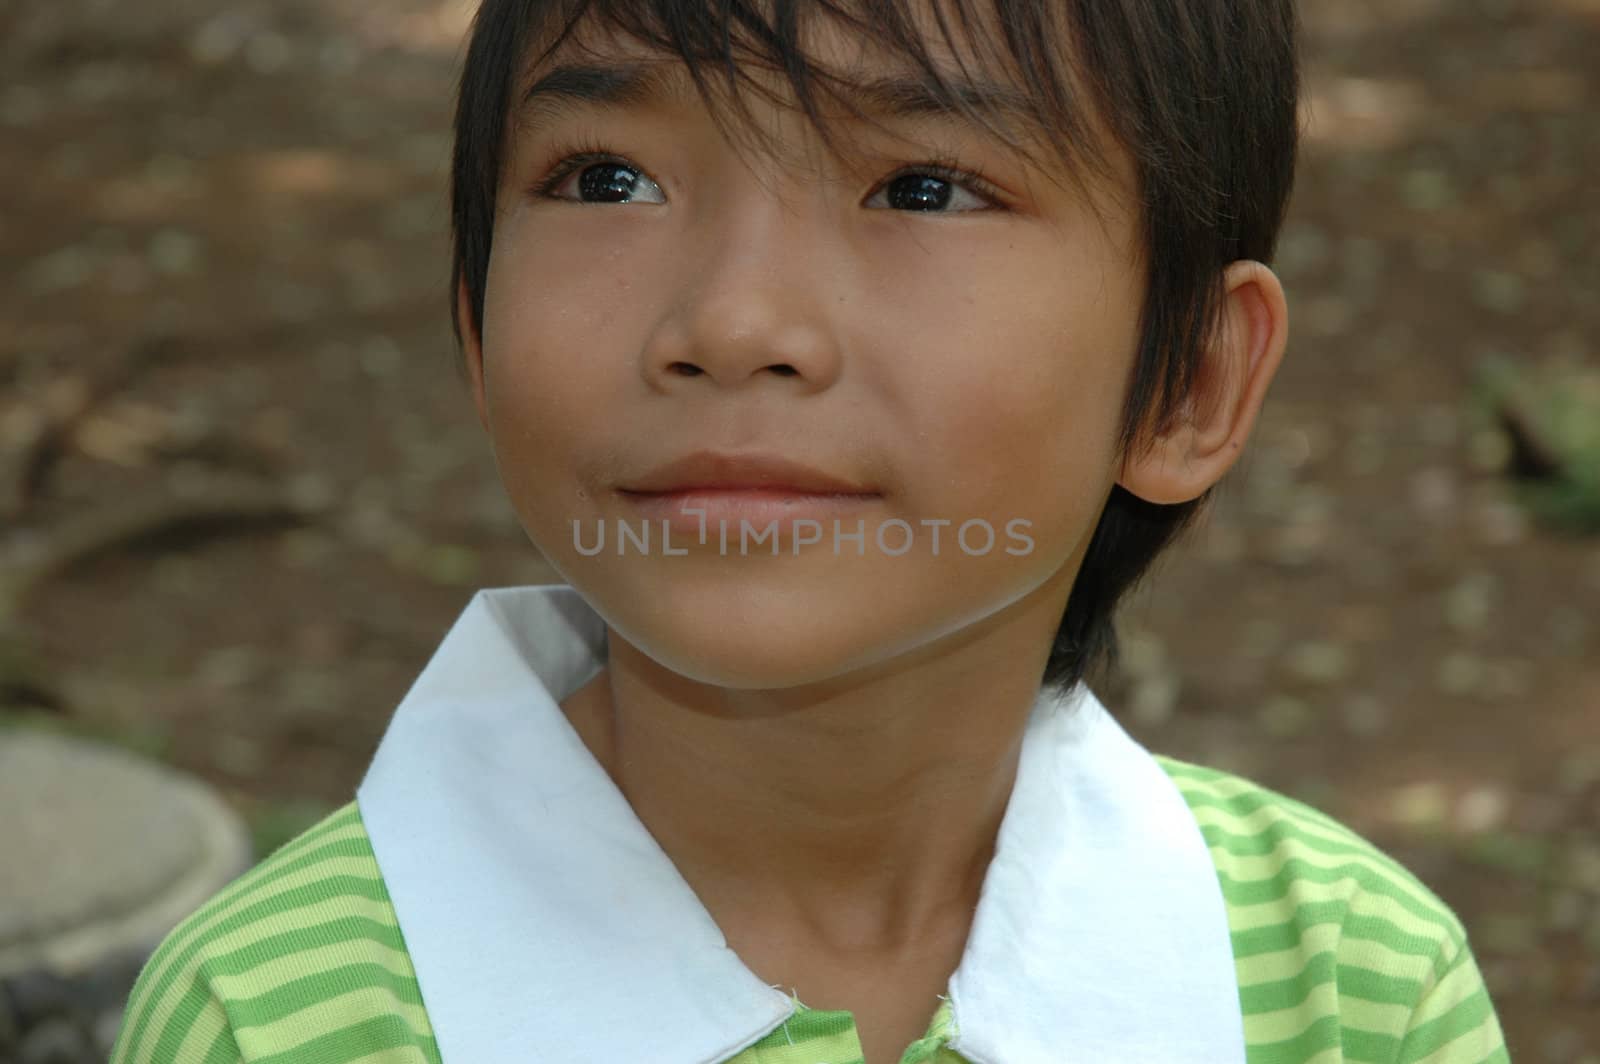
column 575, row 155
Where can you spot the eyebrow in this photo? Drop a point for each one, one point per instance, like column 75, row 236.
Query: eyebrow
column 647, row 84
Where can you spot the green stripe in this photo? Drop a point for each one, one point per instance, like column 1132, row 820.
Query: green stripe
column 274, row 1004
column 1370, row 1047
column 1275, row 938
column 224, row 1050
column 1262, row 843
column 173, row 957
column 1296, row 873
column 1431, row 1029
column 1320, row 1034
column 353, row 1042
column 1398, row 911
column 1376, row 987
column 1327, row 981
column 228, row 964
column 1291, row 991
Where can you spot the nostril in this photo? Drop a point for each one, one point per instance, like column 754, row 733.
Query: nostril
column 689, row 369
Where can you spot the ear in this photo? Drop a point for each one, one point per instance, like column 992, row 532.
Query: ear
column 473, row 350
column 1230, row 384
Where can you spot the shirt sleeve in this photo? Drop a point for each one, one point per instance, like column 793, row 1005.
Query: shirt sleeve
column 1455, row 1022
column 173, row 1017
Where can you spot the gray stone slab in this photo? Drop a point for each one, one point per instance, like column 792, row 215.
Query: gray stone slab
column 102, row 851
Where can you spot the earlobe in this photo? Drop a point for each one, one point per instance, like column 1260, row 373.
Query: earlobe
column 1230, row 385
column 472, row 351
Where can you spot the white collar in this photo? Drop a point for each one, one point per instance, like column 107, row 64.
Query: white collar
column 545, row 922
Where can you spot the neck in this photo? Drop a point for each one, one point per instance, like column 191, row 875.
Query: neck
column 860, row 813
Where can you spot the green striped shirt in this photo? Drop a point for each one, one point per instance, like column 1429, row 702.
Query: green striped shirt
column 492, row 897
column 1341, row 954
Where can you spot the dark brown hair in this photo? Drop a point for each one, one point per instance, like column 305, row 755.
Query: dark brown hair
column 1202, row 95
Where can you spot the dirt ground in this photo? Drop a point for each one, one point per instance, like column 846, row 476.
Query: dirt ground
column 225, row 248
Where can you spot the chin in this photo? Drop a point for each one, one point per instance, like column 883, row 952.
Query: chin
column 775, row 653
column 735, row 672
column 742, row 637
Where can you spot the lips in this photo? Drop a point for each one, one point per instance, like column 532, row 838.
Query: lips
column 716, row 515
column 762, row 475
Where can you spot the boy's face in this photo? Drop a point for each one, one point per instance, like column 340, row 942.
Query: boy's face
column 968, row 364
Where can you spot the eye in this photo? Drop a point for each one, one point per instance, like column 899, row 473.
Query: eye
column 924, row 188
column 600, row 175
column 936, row 184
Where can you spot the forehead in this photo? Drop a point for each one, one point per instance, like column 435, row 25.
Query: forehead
column 1048, row 116
column 600, row 69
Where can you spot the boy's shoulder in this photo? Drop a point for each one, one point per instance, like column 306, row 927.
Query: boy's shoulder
column 1338, row 946
column 1341, row 953
column 1242, row 819
column 300, row 958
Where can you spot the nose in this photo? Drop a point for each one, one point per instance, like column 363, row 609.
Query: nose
column 752, row 310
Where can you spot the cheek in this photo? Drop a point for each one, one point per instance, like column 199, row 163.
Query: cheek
column 1018, row 410
column 1007, row 454
column 544, row 321
column 542, row 393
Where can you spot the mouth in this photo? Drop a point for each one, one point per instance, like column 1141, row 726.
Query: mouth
column 714, row 511
column 710, row 472
column 768, row 492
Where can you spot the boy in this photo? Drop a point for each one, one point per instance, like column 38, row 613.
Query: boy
column 846, row 457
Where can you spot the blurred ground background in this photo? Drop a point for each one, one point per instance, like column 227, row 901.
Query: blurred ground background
column 245, row 495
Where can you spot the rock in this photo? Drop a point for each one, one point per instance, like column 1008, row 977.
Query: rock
column 1297, row 544
column 1154, row 698
column 1364, row 453
column 1431, row 251
column 1563, row 1044
column 173, row 252
column 1489, row 450
column 1583, row 863
column 1284, row 716
column 1223, row 543
column 1261, row 638
column 1318, row 661
column 1427, row 189
column 1578, row 771
column 1420, row 805
column 1566, row 912
column 268, row 52
column 38, row 995
column 240, row 755
column 1516, row 933
column 231, row 668
column 1328, row 315
column 1481, row 809
column 1499, row 290
column 1501, row 523
column 1507, row 678
column 67, row 267
column 1568, row 628
column 104, row 1030
column 1302, row 247
column 10, row 1029
column 1440, row 425
column 105, row 853
column 1141, row 652
column 1469, row 602
column 1364, row 715
column 1459, row 673
column 1434, row 491
column 54, row 1042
